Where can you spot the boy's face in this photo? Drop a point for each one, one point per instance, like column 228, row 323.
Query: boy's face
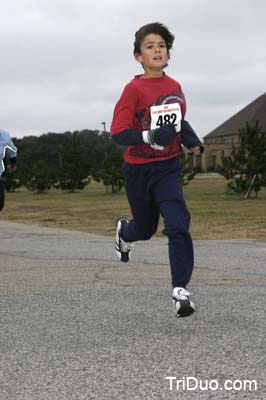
column 153, row 53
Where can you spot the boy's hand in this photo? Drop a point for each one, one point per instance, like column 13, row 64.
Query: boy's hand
column 11, row 168
column 161, row 136
column 196, row 150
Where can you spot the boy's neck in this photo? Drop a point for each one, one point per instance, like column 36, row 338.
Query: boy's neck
column 152, row 74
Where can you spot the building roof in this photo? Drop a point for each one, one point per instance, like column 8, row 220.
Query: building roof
column 255, row 111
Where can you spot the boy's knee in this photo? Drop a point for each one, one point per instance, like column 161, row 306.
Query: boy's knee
column 181, row 226
column 145, row 235
column 175, row 231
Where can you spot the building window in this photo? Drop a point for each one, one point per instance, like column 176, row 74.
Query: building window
column 227, row 140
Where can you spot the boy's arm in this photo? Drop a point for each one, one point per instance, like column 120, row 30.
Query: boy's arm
column 161, row 136
column 12, row 156
column 9, row 148
column 127, row 137
column 189, row 137
column 11, row 152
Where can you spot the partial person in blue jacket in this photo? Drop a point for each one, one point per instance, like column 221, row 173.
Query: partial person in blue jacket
column 7, row 150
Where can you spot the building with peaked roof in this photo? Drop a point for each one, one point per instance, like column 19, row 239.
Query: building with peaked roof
column 222, row 139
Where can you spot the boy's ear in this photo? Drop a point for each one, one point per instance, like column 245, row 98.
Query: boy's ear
column 138, row 58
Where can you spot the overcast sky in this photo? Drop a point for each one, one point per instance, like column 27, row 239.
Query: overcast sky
column 64, row 63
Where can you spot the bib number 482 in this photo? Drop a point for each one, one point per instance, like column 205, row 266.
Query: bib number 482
column 166, row 119
column 166, row 114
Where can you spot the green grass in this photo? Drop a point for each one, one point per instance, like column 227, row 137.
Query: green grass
column 215, row 214
column 219, row 215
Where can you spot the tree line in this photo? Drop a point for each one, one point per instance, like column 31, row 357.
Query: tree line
column 69, row 161
column 66, row 161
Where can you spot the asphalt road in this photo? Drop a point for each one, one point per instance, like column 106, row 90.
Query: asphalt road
column 75, row 323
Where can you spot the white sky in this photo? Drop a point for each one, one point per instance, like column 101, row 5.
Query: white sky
column 64, row 63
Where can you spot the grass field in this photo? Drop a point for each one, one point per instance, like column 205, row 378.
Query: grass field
column 215, row 214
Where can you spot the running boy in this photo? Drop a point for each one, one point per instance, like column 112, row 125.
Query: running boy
column 8, row 148
column 149, row 120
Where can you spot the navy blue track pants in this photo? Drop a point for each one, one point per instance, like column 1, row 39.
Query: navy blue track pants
column 155, row 189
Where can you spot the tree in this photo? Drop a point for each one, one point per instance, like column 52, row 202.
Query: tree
column 187, row 172
column 110, row 170
column 246, row 164
column 74, row 171
column 39, row 180
column 11, row 182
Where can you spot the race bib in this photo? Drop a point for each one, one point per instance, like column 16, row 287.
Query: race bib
column 166, row 114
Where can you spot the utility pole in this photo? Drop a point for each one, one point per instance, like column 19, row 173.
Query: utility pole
column 104, row 128
column 104, row 140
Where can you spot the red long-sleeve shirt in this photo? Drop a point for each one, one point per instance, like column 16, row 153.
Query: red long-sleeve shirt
column 132, row 112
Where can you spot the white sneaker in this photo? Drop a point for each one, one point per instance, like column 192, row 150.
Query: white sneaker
column 122, row 248
column 183, row 305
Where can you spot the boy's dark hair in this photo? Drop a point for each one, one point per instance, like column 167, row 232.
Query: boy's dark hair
column 156, row 28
